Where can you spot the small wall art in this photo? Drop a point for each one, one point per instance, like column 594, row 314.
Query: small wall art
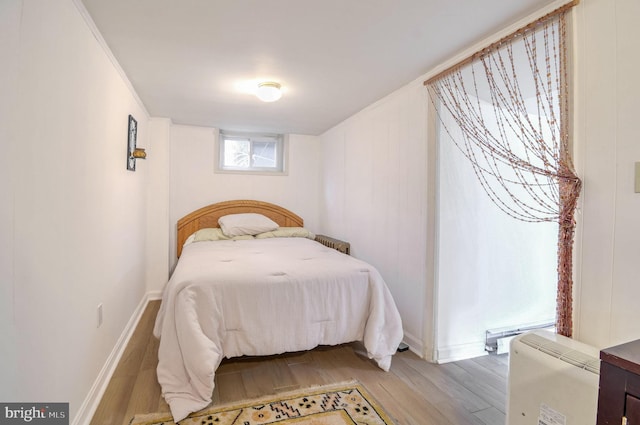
column 131, row 143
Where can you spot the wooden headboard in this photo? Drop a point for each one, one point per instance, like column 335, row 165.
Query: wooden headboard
column 208, row 216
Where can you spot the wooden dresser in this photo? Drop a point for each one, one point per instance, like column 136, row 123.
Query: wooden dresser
column 619, row 394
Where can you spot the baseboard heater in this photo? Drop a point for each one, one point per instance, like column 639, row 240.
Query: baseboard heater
column 553, row 380
column 336, row 244
column 497, row 340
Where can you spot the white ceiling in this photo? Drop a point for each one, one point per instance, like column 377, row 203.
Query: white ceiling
column 190, row 60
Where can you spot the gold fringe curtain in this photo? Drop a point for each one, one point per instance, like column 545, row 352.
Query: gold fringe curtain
column 506, row 108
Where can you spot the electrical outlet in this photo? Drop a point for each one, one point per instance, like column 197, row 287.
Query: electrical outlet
column 99, row 314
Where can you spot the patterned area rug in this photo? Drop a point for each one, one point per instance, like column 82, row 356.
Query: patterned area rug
column 347, row 404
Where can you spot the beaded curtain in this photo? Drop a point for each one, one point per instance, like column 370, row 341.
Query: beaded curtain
column 510, row 102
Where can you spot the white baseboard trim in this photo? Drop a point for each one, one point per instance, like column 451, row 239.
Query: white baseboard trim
column 91, row 402
column 154, row 295
column 415, row 345
column 454, row 353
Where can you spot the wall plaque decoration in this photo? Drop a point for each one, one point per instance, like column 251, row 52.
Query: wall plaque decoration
column 131, row 143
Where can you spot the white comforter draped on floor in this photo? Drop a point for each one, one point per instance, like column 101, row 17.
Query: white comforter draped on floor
column 264, row 297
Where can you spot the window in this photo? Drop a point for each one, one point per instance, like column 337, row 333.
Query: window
column 251, row 152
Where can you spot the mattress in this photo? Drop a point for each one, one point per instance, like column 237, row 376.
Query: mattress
column 263, row 297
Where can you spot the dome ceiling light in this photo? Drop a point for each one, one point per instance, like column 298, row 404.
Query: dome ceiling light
column 269, row 91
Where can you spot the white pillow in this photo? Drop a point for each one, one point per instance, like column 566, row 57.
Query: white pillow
column 246, row 224
column 287, row 232
column 213, row 234
column 209, row 234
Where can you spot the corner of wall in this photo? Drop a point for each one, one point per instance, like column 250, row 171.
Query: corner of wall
column 158, row 186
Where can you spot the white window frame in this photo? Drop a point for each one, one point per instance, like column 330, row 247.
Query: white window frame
column 281, row 153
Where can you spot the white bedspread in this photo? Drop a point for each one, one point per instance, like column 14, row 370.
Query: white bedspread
column 264, row 297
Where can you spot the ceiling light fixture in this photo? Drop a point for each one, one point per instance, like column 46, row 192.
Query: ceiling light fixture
column 269, row 91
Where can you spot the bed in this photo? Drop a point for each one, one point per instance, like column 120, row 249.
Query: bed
column 261, row 294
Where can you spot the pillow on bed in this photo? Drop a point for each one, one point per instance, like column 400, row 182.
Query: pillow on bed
column 242, row 238
column 213, row 234
column 209, row 234
column 287, row 232
column 246, row 224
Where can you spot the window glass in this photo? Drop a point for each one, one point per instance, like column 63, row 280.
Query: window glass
column 264, row 154
column 236, row 153
column 240, row 152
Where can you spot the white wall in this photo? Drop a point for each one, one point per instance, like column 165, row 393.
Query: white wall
column 357, row 182
column 608, row 89
column 9, row 45
column 77, row 232
column 493, row 270
column 158, row 223
column 374, row 196
column 194, row 184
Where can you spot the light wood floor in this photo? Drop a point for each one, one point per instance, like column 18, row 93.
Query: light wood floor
column 414, row 392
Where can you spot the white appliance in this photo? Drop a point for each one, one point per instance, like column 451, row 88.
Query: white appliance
column 553, row 380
